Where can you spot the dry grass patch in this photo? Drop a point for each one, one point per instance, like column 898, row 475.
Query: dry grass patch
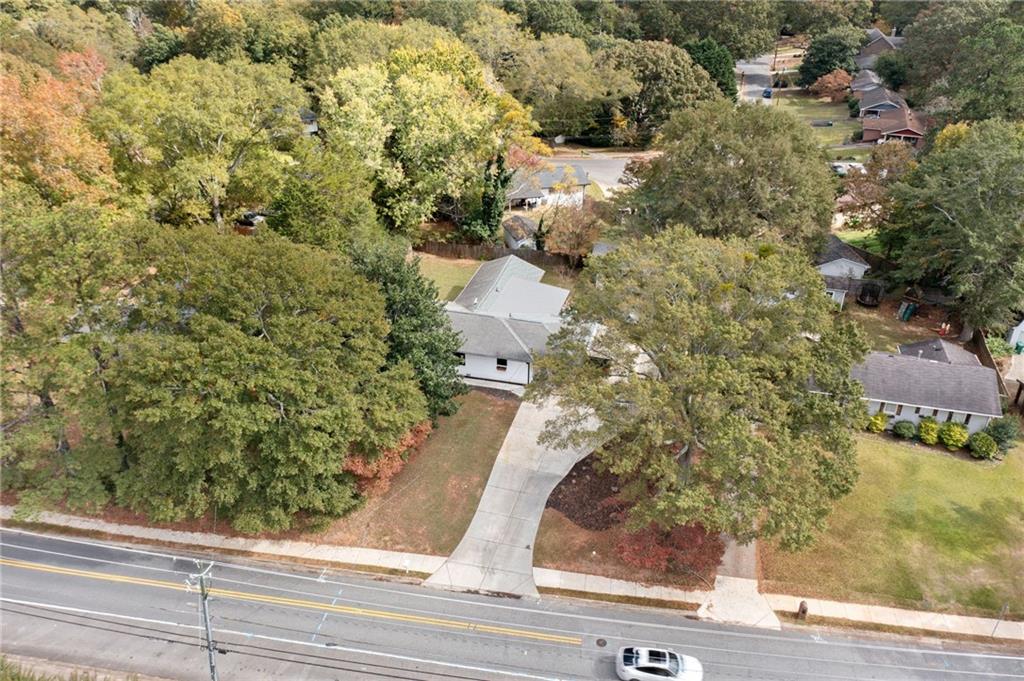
column 449, row 274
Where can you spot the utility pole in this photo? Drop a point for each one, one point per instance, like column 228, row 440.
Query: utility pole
column 204, row 596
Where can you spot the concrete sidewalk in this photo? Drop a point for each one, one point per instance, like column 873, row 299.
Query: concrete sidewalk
column 736, row 599
column 496, row 553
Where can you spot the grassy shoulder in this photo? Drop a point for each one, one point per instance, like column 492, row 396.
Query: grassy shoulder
column 922, row 529
column 431, row 502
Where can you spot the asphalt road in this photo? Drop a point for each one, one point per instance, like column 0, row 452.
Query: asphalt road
column 755, row 75
column 130, row 609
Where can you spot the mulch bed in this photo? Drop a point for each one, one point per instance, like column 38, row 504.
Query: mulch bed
column 588, row 498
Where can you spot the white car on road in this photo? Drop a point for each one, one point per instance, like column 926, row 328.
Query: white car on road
column 655, row 664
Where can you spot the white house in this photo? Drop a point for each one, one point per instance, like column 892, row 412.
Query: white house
column 553, row 184
column 1016, row 334
column 504, row 317
column 842, row 267
column 933, row 378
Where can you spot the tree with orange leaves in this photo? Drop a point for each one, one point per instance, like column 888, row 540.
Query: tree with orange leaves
column 44, row 138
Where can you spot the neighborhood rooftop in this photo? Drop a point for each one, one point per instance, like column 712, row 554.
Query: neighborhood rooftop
column 837, row 249
column 939, row 350
column 510, row 285
column 880, row 95
column 907, row 380
column 530, row 183
column 515, row 339
column 894, row 121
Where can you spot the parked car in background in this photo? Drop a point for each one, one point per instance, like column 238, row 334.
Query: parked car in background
column 653, row 664
column 767, row 93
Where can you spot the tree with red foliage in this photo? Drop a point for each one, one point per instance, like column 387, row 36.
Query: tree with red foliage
column 833, row 85
column 688, row 548
column 375, row 474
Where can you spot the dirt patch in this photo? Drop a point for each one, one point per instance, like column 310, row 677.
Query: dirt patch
column 588, row 498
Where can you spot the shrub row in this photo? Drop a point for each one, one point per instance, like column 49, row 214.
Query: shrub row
column 999, row 436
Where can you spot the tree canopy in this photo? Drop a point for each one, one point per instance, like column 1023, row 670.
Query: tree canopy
column 987, row 79
column 424, row 122
column 668, row 80
column 729, row 170
column 715, row 405
column 830, row 51
column 201, row 141
column 718, row 62
column 959, row 220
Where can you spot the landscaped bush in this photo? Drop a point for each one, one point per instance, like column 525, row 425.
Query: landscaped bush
column 953, row 435
column 982, row 446
column 998, row 346
column 876, row 424
column 1005, row 431
column 853, row 104
column 904, row 429
column 928, row 431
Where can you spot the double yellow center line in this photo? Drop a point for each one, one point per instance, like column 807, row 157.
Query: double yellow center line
column 451, row 624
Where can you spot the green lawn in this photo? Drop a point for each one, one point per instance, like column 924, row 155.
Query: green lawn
column 862, row 238
column 858, row 154
column 921, row 529
column 432, row 500
column 808, row 108
column 451, row 275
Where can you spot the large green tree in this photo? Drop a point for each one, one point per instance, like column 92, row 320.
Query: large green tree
column 987, row 79
column 718, row 62
column 668, row 80
column 818, row 16
column 834, row 49
column 198, row 140
column 714, row 404
column 747, row 27
column 252, row 369
column 425, row 123
column 420, row 334
column 566, row 85
column 733, row 170
column 959, row 220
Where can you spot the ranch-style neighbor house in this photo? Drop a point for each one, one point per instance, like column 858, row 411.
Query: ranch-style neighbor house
column 553, row 184
column 932, row 378
column 842, row 268
column 504, row 318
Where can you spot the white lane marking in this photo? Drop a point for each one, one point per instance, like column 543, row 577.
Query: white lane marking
column 319, row 646
column 324, row 618
column 704, row 631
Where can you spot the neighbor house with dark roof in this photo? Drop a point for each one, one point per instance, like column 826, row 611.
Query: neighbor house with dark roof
column 866, row 79
column 842, row 268
column 520, row 232
column 876, row 100
column 551, row 184
column 504, row 317
column 932, row 379
column 895, row 125
column 878, row 43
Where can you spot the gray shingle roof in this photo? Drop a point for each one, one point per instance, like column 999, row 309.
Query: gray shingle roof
column 492, row 276
column 837, row 249
column 528, row 183
column 511, row 286
column 939, row 350
column 519, row 227
column 865, row 80
column 907, row 380
column 515, row 339
column 880, row 95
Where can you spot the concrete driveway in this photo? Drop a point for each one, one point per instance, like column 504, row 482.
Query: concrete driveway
column 496, row 553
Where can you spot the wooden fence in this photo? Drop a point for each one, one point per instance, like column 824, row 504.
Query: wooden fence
column 981, row 347
column 491, row 252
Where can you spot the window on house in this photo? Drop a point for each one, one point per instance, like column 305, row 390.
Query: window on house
column 917, row 410
column 899, row 409
column 890, row 409
column 462, row 358
column 967, row 419
column 949, row 417
column 881, row 407
column 502, row 364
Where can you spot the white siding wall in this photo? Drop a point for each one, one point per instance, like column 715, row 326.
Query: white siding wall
column 1016, row 334
column 837, row 296
column 571, row 198
column 909, row 413
column 480, row 366
column 843, row 268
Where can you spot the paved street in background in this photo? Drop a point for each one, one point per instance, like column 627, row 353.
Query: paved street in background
column 756, row 76
column 130, row 609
